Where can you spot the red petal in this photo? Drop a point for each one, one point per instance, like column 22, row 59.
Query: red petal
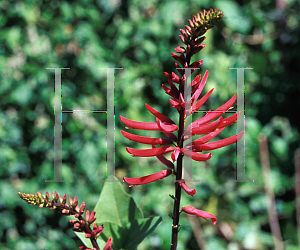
column 196, row 156
column 208, row 137
column 148, row 178
column 165, row 127
column 188, row 190
column 200, row 213
column 160, row 116
column 175, row 104
column 180, row 49
column 177, row 58
column 200, row 88
column 175, row 78
column 198, row 104
column 146, row 140
column 196, row 64
column 196, row 81
column 197, row 48
column 149, row 152
column 207, row 128
column 173, row 87
column 221, row 143
column 139, row 125
column 108, row 244
column 214, row 114
column 183, row 39
column 168, row 76
column 230, row 120
column 174, row 155
column 170, row 92
column 181, row 101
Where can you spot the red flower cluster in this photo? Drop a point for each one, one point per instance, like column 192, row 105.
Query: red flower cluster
column 207, row 125
column 167, row 126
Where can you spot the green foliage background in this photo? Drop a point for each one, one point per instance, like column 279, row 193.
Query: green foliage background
column 139, row 36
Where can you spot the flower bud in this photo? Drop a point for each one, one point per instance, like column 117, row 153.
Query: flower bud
column 179, row 49
column 47, row 196
column 191, row 23
column 82, row 207
column 108, row 244
column 183, row 39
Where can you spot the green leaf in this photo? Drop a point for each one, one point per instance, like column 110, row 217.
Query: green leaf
column 122, row 219
column 115, row 205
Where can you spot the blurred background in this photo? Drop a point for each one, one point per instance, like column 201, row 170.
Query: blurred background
column 139, row 37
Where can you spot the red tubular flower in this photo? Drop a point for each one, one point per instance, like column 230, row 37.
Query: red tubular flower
column 146, row 140
column 207, row 128
column 180, row 49
column 230, row 120
column 170, row 92
column 200, row 88
column 175, row 104
column 147, row 179
column 221, row 143
column 177, row 58
column 184, row 40
column 196, row 156
column 200, row 213
column 175, row 78
column 90, row 217
column 165, row 127
column 139, row 125
column 108, row 244
column 207, row 137
column 186, row 189
column 198, row 104
column 149, row 152
column 175, row 154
